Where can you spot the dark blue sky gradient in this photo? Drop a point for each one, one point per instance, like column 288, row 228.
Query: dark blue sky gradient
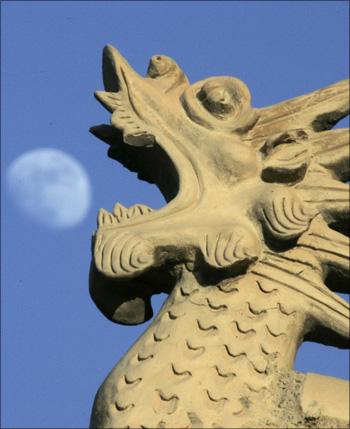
column 56, row 346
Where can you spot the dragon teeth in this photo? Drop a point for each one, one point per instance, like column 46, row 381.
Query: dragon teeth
column 140, row 209
column 106, row 218
column 122, row 213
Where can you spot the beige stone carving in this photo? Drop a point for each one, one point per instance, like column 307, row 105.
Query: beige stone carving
column 251, row 249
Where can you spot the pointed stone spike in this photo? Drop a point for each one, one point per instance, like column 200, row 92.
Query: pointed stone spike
column 111, row 79
column 100, row 217
column 120, row 212
column 142, row 209
column 137, row 211
column 110, row 100
column 105, row 218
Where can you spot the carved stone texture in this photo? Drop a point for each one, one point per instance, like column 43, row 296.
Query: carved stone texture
column 251, row 248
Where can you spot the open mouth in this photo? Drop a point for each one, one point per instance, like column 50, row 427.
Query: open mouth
column 152, row 165
column 142, row 136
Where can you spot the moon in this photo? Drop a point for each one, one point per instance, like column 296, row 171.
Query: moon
column 51, row 187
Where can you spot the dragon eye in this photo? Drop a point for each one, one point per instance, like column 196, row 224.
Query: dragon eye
column 217, row 99
column 220, row 102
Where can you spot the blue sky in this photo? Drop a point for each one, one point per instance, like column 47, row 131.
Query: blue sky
column 56, row 346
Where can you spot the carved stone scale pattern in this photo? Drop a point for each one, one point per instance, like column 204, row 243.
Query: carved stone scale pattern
column 250, row 248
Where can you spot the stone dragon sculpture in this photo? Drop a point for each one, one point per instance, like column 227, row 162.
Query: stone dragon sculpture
column 251, row 248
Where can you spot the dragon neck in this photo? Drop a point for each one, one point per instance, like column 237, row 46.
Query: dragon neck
column 242, row 323
column 225, row 342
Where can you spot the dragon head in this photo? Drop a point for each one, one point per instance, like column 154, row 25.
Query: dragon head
column 236, row 180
